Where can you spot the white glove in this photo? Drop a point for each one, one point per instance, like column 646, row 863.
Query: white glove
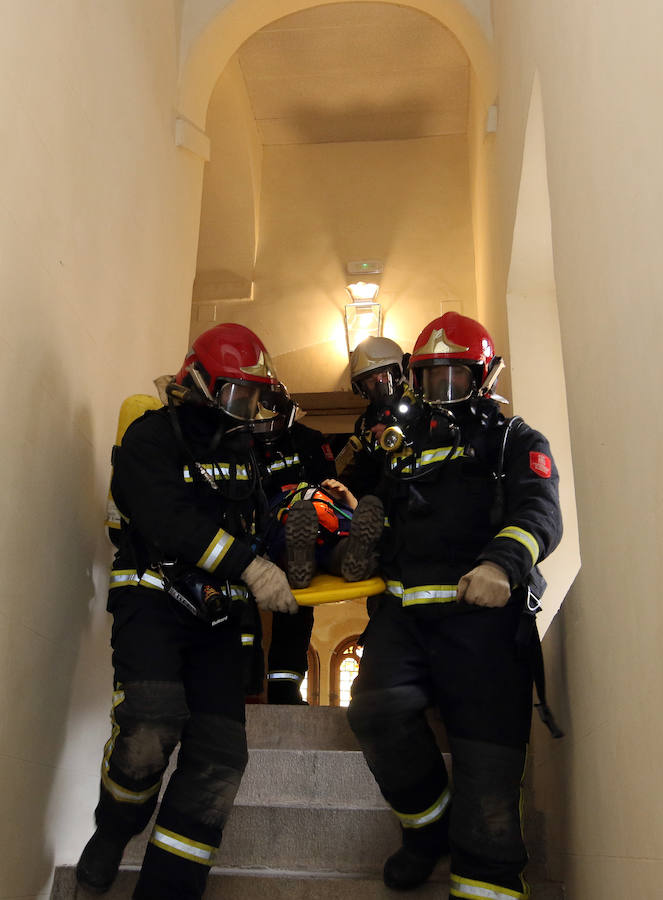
column 269, row 586
column 485, row 585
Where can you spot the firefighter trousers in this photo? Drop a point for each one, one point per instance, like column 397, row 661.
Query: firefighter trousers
column 288, row 654
column 465, row 664
column 176, row 680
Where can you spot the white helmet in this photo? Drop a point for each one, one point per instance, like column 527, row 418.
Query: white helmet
column 376, row 367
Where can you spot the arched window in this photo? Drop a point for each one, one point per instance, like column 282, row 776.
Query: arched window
column 310, row 686
column 344, row 669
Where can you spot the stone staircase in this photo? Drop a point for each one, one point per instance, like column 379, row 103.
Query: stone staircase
column 308, row 822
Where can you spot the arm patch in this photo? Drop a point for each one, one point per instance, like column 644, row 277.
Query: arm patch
column 540, row 464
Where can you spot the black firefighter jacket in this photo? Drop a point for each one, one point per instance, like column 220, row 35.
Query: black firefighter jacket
column 169, row 509
column 463, row 511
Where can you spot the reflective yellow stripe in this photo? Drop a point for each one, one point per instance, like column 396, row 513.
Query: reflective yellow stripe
column 151, row 579
column 129, row 578
column 217, row 549
column 123, row 578
column 423, row 593
column 182, row 846
column 121, row 794
column 248, row 639
column 435, row 454
column 432, row 814
column 284, row 463
column 471, row 890
column 523, row 537
column 217, row 471
column 124, row 795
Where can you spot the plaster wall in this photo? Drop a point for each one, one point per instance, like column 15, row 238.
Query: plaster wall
column 600, row 75
column 404, row 202
column 229, row 222
column 98, row 226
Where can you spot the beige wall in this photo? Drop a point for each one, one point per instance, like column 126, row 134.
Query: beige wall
column 600, row 74
column 98, row 230
column 404, row 202
column 229, row 221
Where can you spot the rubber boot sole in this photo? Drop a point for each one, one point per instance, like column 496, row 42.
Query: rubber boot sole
column 359, row 561
column 301, row 533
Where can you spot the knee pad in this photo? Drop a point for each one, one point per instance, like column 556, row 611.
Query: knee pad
column 485, row 816
column 213, row 756
column 375, row 712
column 150, row 719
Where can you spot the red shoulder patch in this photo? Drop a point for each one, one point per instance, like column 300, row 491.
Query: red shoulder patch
column 540, row 464
column 327, row 451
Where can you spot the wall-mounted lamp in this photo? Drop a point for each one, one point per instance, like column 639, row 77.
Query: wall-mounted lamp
column 363, row 317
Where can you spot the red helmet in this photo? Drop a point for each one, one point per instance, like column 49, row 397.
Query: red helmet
column 463, row 347
column 229, row 366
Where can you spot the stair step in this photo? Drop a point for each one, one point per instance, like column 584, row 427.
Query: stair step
column 298, row 728
column 309, row 728
column 313, row 777
column 301, row 838
column 270, row 884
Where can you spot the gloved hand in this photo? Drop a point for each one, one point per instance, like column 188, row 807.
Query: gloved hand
column 269, row 586
column 485, row 585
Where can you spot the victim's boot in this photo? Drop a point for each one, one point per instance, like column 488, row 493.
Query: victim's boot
column 360, row 550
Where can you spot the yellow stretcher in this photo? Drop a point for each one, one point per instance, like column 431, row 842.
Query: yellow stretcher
column 332, row 589
column 323, row 588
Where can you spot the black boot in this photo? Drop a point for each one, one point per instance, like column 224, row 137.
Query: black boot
column 301, row 534
column 413, row 863
column 100, row 860
column 360, row 557
column 285, row 693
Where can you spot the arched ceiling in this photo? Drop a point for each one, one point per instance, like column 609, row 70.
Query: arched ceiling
column 213, row 30
column 355, row 71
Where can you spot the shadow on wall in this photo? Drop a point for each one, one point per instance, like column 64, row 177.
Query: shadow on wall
column 51, row 538
column 549, row 760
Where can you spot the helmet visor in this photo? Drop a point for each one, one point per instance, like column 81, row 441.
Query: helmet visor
column 276, row 412
column 447, row 384
column 376, row 386
column 238, row 400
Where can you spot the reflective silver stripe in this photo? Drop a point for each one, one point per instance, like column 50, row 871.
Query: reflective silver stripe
column 435, row 454
column 217, row 471
column 432, row 814
column 248, row 639
column 151, row 579
column 237, row 592
column 430, row 593
column 423, row 593
column 285, row 676
column 469, row 889
column 284, row 463
column 523, row 537
column 182, row 846
column 124, row 795
column 220, row 545
column 123, row 577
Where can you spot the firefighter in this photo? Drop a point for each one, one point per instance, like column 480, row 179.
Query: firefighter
column 310, row 522
column 185, row 481
column 472, row 506
column 377, row 373
column 288, row 452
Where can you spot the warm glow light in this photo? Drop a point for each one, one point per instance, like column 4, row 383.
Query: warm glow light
column 362, row 320
column 362, row 290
